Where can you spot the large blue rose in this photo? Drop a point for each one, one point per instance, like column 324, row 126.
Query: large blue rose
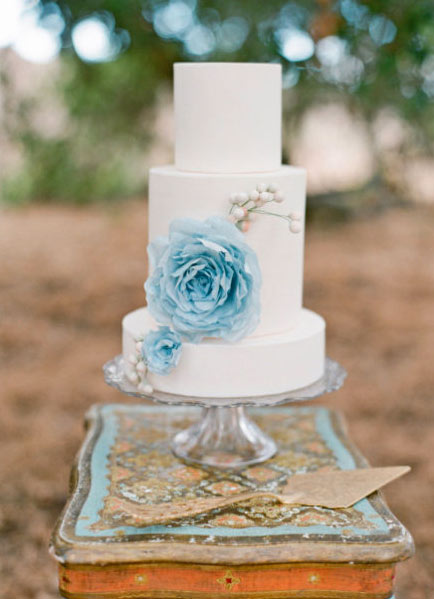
column 205, row 280
column 161, row 350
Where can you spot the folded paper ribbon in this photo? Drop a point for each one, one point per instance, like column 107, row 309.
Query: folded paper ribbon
column 336, row 489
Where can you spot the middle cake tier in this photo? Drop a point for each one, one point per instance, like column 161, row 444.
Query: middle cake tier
column 177, row 194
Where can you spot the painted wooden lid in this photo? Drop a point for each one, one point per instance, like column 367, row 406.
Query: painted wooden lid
column 126, row 462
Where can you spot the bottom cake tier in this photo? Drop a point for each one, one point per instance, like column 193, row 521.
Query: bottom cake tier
column 261, row 365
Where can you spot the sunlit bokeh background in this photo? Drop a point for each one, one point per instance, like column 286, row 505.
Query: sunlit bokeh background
column 85, row 92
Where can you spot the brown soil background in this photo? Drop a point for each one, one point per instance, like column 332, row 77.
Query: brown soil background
column 67, row 276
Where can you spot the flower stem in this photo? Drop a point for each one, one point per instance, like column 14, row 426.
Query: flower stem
column 259, row 211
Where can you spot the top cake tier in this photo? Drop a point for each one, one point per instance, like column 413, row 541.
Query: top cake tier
column 228, row 117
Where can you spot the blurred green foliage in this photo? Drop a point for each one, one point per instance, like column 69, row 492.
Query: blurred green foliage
column 370, row 55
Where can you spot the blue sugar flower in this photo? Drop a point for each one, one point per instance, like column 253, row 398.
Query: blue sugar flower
column 205, row 280
column 161, row 350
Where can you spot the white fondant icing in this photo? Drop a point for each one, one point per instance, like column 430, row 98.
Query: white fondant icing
column 227, row 117
column 175, row 194
column 255, row 366
column 228, row 149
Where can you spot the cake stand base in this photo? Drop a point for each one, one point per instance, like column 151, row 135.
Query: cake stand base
column 224, row 438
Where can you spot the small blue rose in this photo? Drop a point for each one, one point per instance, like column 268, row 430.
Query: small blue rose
column 205, row 280
column 161, row 350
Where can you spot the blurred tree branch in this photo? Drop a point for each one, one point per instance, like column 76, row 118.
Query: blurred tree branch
column 369, row 55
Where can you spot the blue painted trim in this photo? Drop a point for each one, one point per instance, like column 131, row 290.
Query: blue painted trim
column 100, row 463
column 346, row 461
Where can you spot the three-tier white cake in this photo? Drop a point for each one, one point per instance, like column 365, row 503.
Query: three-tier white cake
column 228, row 154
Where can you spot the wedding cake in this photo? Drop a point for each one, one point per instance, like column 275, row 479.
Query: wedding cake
column 224, row 315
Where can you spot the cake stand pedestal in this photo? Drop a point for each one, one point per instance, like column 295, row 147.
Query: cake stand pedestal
column 225, row 436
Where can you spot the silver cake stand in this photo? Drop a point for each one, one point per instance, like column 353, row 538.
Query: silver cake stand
column 225, row 436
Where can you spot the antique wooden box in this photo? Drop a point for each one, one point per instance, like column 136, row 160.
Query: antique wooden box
column 258, row 548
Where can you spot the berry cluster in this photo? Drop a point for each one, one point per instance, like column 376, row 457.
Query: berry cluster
column 245, row 205
column 139, row 370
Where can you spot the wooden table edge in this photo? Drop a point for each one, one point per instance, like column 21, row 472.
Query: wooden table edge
column 65, row 549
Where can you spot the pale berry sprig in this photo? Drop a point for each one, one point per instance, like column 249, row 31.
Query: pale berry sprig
column 245, row 205
column 139, row 370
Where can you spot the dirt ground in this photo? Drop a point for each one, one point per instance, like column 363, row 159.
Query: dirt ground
column 67, row 276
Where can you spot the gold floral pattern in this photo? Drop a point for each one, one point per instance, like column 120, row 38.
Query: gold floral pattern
column 261, row 474
column 142, row 471
column 225, row 487
column 232, row 520
column 188, row 474
column 228, row 580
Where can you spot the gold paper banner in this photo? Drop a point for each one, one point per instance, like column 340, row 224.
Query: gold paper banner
column 337, row 489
